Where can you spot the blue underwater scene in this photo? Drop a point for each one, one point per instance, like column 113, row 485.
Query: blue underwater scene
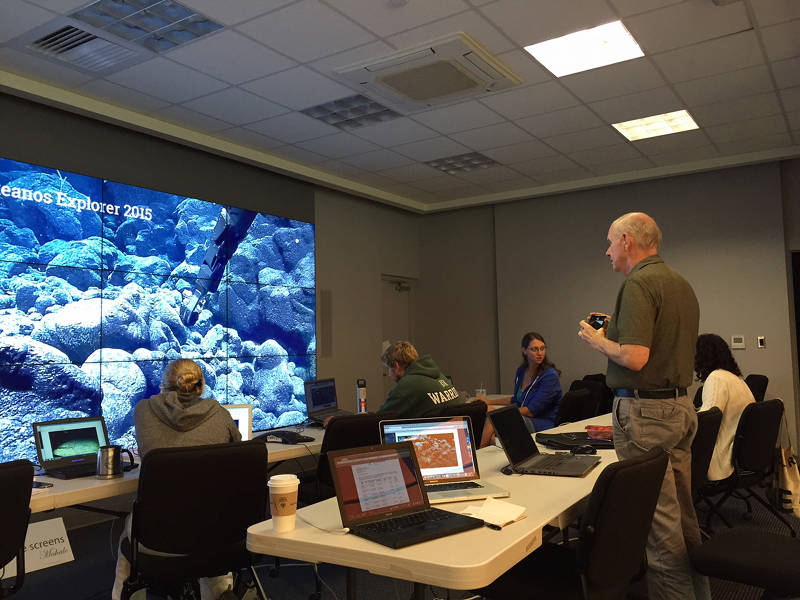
column 102, row 284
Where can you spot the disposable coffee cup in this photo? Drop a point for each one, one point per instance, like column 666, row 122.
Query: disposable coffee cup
column 283, row 501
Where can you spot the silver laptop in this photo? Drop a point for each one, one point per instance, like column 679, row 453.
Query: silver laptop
column 321, row 400
column 445, row 450
column 67, row 448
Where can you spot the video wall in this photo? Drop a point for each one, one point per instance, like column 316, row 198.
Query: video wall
column 102, row 284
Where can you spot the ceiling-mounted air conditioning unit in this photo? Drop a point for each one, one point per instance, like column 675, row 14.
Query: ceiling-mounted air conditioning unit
column 449, row 68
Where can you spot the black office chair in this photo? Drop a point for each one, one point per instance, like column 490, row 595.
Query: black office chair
column 196, row 502
column 610, row 549
column 708, row 422
column 753, row 557
column 475, row 410
column 576, row 405
column 758, row 385
column 698, row 397
column 597, row 390
column 753, row 455
column 16, row 478
column 608, row 400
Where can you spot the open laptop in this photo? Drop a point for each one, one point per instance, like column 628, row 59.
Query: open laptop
column 242, row 415
column 382, row 498
column 446, row 455
column 67, row 448
column 321, row 400
column 523, row 454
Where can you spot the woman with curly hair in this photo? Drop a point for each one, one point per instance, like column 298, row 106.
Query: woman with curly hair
column 724, row 388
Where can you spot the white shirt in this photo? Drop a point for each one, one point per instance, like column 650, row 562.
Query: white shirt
column 730, row 394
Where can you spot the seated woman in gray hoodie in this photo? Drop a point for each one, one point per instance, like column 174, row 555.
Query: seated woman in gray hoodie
column 179, row 416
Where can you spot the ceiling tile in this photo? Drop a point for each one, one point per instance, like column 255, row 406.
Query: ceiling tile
column 547, row 164
column 531, row 100
column 41, row 69
column 292, row 127
column 726, row 86
column 686, row 23
column 413, row 173
column 384, row 19
column 627, row 8
column 561, row 121
column 663, row 144
column 436, row 184
column 378, row 160
column 584, row 140
column 759, row 105
column 782, row 41
column 794, row 120
column 770, row 12
column 306, row 30
column 231, row 57
column 515, row 153
column 235, row 106
column 252, row 139
column 165, row 79
column 606, row 154
column 231, row 13
column 328, row 64
column 635, row 106
column 787, row 72
column 752, row 128
column 492, row 136
column 341, row 169
column 394, row 132
column 576, row 173
column 614, row 80
column 769, row 142
column 338, row 145
column 791, row 98
column 529, row 22
column 300, row 155
column 729, row 53
column 17, row 17
column 59, row 6
column 470, row 22
column 432, row 149
column 119, row 95
column 180, row 115
column 622, row 166
column 508, row 185
column 298, row 88
column 458, row 117
column 685, row 155
column 524, row 65
column 490, row 174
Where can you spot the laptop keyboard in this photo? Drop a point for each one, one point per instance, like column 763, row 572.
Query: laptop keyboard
column 406, row 521
column 289, row 437
column 74, row 471
column 458, row 485
column 549, row 460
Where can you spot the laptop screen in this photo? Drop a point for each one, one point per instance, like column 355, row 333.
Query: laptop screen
column 68, row 441
column 320, row 395
column 376, row 482
column 444, row 446
column 242, row 415
column 514, row 435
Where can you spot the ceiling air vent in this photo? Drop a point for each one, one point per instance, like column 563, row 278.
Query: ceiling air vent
column 82, row 49
column 449, row 68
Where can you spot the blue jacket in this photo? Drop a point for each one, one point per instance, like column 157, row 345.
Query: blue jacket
column 541, row 398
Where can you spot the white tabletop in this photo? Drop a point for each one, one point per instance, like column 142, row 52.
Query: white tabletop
column 466, row 560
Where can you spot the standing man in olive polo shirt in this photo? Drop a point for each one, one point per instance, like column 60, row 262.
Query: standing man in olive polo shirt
column 649, row 342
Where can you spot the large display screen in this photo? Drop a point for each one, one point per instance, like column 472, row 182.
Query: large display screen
column 102, row 284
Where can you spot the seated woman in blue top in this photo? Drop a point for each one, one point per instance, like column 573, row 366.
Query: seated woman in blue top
column 537, row 389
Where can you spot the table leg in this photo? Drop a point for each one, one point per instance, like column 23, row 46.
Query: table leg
column 419, row 591
column 350, row 583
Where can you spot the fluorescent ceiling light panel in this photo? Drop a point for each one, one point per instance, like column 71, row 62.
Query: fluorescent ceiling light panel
column 639, row 129
column 587, row 49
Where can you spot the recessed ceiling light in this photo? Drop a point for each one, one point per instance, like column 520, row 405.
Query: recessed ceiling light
column 462, row 163
column 639, row 129
column 587, row 49
column 351, row 112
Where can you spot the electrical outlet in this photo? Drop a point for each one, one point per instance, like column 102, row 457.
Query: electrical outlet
column 762, row 341
column 737, row 342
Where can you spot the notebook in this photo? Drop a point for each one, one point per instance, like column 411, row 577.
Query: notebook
column 523, row 454
column 382, row 498
column 242, row 415
column 321, row 400
column 67, row 448
column 446, row 455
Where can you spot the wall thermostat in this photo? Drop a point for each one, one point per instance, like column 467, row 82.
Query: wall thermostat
column 737, row 342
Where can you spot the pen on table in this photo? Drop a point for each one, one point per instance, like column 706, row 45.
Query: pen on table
column 492, row 526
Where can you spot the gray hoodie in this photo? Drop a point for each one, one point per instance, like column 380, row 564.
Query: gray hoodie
column 173, row 419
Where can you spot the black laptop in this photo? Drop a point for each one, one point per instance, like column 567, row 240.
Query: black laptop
column 321, row 400
column 523, row 454
column 67, row 448
column 382, row 498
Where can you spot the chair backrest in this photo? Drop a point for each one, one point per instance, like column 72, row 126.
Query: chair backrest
column 708, row 422
column 599, row 393
column 608, row 400
column 476, row 411
column 196, row 499
column 755, row 438
column 15, row 499
column 758, row 385
column 347, row 431
column 576, row 405
column 616, row 523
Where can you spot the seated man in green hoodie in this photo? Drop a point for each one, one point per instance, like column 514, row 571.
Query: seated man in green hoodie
column 422, row 390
